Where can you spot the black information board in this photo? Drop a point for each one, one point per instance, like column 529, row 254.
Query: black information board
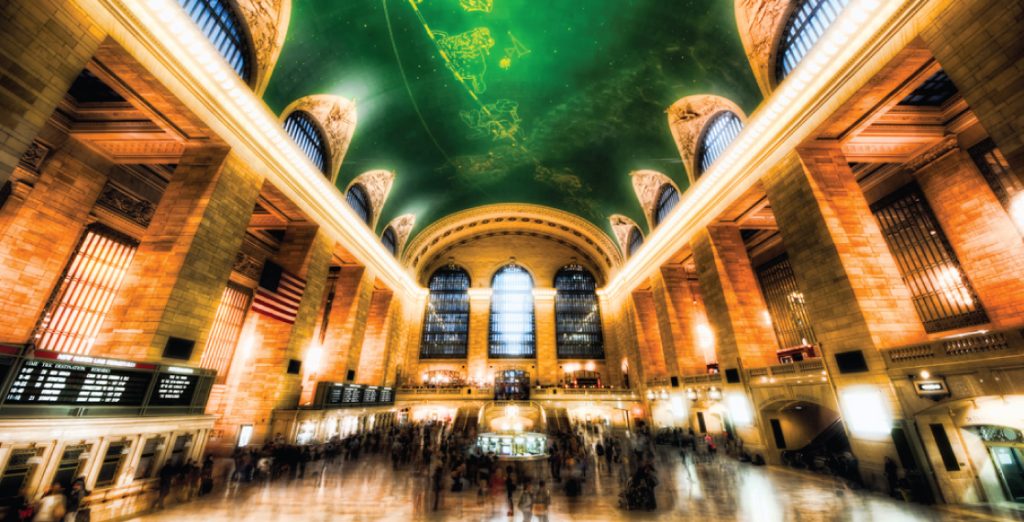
column 352, row 394
column 387, row 396
column 174, row 389
column 338, row 395
column 333, row 395
column 370, row 395
column 62, row 384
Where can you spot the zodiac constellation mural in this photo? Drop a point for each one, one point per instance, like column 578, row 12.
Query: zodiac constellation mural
column 477, row 5
column 466, row 55
column 498, row 120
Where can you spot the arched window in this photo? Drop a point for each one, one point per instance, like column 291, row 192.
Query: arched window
column 512, row 332
column 668, row 197
column 219, row 22
column 359, row 200
column 635, row 240
column 577, row 315
column 307, row 135
column 719, row 133
column 390, row 240
column 446, row 322
column 805, row 26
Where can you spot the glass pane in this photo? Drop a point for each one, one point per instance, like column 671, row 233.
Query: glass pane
column 577, row 314
column 512, row 330
column 446, row 320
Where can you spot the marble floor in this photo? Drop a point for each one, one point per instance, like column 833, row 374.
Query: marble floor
column 369, row 490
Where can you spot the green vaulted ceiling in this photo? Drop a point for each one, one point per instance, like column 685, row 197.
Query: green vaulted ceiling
column 472, row 102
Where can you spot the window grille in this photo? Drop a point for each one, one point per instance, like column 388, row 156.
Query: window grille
column 512, row 332
column 942, row 295
column 111, row 464
column 634, row 241
column 668, row 197
column 359, row 200
column 996, row 171
column 307, row 135
column 86, row 292
column 390, row 240
column 446, row 325
column 577, row 314
column 148, row 460
column 786, row 305
column 934, row 92
column 805, row 27
column 720, row 131
column 218, row 21
column 227, row 328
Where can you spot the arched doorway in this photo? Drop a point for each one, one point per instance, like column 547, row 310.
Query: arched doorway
column 511, row 384
column 810, row 436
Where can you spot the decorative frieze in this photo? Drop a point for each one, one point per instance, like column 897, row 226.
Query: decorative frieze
column 247, row 265
column 133, row 208
column 35, row 156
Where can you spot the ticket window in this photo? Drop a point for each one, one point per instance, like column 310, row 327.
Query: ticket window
column 1009, row 462
column 179, row 452
column 146, row 467
column 72, row 464
column 17, row 473
column 113, row 459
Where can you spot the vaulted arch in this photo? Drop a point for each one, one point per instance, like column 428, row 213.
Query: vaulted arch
column 377, row 185
column 267, row 21
column 336, row 117
column 401, row 226
column 625, row 232
column 688, row 119
column 649, row 185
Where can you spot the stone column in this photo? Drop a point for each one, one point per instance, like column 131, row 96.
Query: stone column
column 547, row 351
column 178, row 274
column 978, row 228
column 979, row 46
column 612, row 321
column 648, row 336
column 672, row 335
column 358, row 331
column 686, row 311
column 479, row 322
column 735, row 308
column 42, row 233
column 372, row 358
column 44, row 45
column 855, row 295
column 337, row 339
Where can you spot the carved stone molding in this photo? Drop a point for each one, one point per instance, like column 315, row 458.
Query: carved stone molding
column 947, row 145
column 621, row 225
column 760, row 26
column 402, row 225
column 247, row 265
column 687, row 118
column 647, row 185
column 129, row 206
column 337, row 116
column 267, row 21
column 34, row 157
column 377, row 184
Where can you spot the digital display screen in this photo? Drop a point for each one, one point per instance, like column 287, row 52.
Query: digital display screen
column 930, row 386
column 370, row 395
column 352, row 395
column 68, row 384
column 334, row 394
column 173, row 389
column 387, row 395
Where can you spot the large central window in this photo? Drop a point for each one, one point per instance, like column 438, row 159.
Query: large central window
column 446, row 324
column 512, row 329
column 577, row 315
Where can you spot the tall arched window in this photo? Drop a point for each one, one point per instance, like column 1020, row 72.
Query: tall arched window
column 307, row 135
column 512, row 332
column 719, row 133
column 668, row 197
column 634, row 241
column 359, row 200
column 577, row 315
column 219, row 22
column 390, row 240
column 446, row 321
column 805, row 26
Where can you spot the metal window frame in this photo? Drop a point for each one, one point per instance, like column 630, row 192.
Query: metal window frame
column 221, row 24
column 806, row 24
column 307, row 134
column 512, row 306
column 578, row 333
column 718, row 134
column 359, row 200
column 786, row 305
column 445, row 332
column 668, row 198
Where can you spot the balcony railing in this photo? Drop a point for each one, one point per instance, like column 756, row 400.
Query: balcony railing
column 982, row 345
column 802, row 369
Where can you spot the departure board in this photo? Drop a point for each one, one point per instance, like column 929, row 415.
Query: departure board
column 387, row 395
column 352, row 394
column 333, row 396
column 48, row 382
column 369, row 395
column 174, row 389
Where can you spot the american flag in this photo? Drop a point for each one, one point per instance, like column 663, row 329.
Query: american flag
column 278, row 294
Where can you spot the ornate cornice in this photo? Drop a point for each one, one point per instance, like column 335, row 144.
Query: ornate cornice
column 133, row 208
column 687, row 118
column 514, row 216
column 337, row 116
column 939, row 150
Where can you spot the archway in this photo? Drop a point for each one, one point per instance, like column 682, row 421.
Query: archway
column 808, row 435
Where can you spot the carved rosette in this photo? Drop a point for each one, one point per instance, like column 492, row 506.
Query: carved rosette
column 337, row 116
column 687, row 118
column 34, row 157
column 647, row 185
column 621, row 225
column 760, row 24
column 402, row 225
column 267, row 21
column 377, row 184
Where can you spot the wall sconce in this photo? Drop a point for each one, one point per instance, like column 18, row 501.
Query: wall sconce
column 691, row 394
column 650, row 395
column 664, row 394
column 715, row 394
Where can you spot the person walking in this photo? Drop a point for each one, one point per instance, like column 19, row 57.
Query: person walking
column 541, row 502
column 50, row 508
column 73, row 502
column 510, row 487
column 526, row 502
column 438, row 484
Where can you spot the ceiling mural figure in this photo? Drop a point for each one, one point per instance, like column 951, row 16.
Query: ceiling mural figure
column 760, row 23
column 337, row 117
column 687, row 119
column 504, row 101
column 267, row 21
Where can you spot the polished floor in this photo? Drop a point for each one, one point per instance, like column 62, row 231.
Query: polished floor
column 369, row 490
